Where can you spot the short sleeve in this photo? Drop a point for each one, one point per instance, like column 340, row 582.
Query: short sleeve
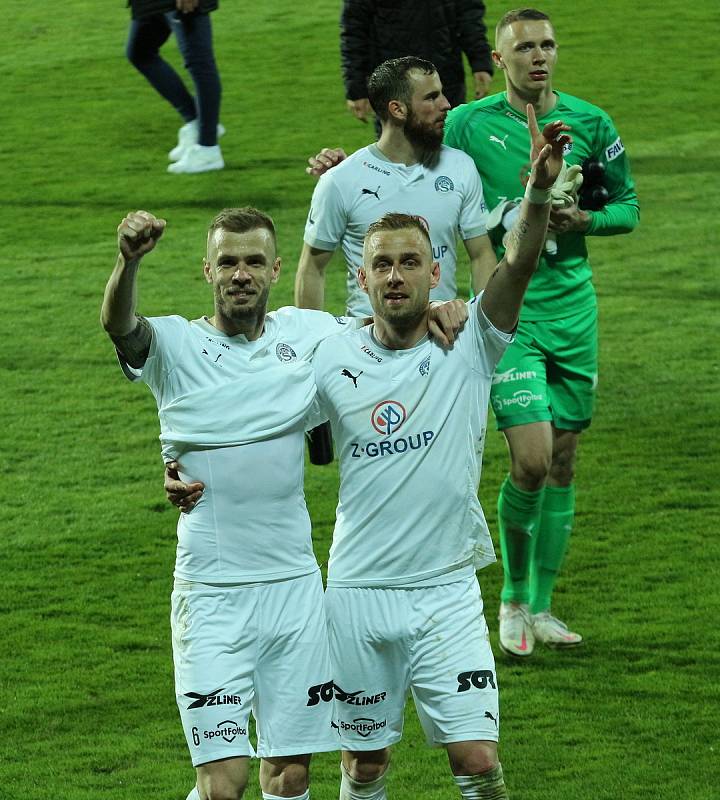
column 474, row 212
column 165, row 348
column 482, row 344
column 327, row 220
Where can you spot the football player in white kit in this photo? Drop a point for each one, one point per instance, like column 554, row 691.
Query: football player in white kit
column 248, row 624
column 408, row 169
column 403, row 603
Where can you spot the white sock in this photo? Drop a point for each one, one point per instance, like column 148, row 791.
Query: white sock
column 486, row 786
column 351, row 789
column 304, row 796
column 194, row 794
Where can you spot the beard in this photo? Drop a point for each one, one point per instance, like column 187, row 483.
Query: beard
column 405, row 316
column 254, row 308
column 425, row 138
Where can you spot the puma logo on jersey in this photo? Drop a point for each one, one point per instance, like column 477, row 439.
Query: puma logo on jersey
column 501, row 142
column 370, row 191
column 354, row 378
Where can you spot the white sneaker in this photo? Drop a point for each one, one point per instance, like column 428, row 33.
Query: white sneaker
column 188, row 136
column 198, row 159
column 551, row 631
column 516, row 632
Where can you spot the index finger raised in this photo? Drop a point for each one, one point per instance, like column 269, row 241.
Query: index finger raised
column 532, row 121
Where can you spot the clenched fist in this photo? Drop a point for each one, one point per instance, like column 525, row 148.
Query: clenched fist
column 138, row 234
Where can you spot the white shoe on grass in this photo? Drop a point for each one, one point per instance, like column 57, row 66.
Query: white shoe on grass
column 553, row 632
column 198, row 159
column 188, row 136
column 516, row 631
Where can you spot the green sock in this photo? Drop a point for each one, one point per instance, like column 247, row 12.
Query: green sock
column 518, row 520
column 556, row 522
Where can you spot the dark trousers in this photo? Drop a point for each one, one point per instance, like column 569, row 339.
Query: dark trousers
column 193, row 33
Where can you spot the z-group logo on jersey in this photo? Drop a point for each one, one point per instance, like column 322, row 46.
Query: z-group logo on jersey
column 414, row 441
column 213, row 699
column 285, row 353
column 363, row 726
column 227, row 729
column 388, row 416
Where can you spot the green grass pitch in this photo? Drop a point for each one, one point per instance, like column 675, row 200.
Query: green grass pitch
column 86, row 538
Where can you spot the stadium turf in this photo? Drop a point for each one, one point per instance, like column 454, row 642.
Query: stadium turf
column 87, row 540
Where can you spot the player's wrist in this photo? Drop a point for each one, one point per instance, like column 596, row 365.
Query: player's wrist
column 128, row 262
column 537, row 195
column 585, row 220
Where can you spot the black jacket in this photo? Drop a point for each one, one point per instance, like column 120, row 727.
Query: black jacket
column 371, row 31
column 151, row 8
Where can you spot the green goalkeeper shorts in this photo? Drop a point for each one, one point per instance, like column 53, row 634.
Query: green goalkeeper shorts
column 548, row 374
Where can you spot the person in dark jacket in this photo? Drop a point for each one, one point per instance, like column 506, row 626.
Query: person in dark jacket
column 373, row 31
column 153, row 21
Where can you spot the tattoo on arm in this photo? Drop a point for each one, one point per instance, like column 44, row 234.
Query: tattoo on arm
column 135, row 346
column 518, row 231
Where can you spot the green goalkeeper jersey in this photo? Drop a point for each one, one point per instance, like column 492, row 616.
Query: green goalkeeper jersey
column 495, row 136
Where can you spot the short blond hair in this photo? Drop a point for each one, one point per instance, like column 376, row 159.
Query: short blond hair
column 396, row 221
column 516, row 15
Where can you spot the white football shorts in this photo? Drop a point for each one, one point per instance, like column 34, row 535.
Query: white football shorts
column 259, row 647
column 431, row 640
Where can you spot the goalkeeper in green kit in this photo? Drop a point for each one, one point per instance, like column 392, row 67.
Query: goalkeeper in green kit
column 543, row 388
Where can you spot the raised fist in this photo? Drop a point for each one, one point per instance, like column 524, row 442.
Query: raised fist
column 138, row 234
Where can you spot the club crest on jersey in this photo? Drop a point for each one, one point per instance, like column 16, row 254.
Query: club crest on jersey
column 424, row 367
column 387, row 417
column 285, row 353
column 567, row 148
column 444, row 184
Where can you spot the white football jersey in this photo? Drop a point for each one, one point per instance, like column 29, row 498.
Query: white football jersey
column 233, row 413
column 409, row 427
column 364, row 187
